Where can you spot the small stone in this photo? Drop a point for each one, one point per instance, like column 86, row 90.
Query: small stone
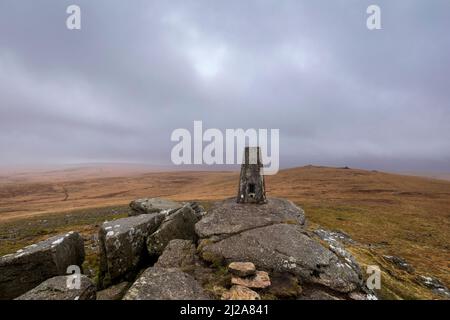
column 242, row 269
column 435, row 285
column 261, row 280
column 240, row 293
column 400, row 263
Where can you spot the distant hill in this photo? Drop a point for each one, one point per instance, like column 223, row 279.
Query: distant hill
column 433, row 175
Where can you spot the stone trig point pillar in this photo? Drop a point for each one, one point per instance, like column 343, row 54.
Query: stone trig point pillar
column 251, row 182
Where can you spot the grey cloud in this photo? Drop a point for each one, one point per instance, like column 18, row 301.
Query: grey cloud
column 114, row 91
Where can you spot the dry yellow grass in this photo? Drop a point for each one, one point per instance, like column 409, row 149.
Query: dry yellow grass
column 406, row 216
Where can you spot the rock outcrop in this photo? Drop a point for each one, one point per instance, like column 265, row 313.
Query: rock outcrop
column 435, row 285
column 152, row 205
column 28, row 267
column 177, row 225
column 336, row 241
column 272, row 236
column 126, row 243
column 57, row 288
column 165, row 284
column 228, row 217
column 334, row 236
column 178, row 254
column 198, row 209
column 399, row 263
column 115, row 292
column 266, row 248
column 123, row 244
column 285, row 248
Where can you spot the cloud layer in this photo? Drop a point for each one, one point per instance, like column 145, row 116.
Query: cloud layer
column 115, row 90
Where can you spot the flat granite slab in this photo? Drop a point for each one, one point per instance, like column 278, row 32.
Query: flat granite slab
column 229, row 217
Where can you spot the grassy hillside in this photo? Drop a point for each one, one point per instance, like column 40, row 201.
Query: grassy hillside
column 386, row 214
column 398, row 215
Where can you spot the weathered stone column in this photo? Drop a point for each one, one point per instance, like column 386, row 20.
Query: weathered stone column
column 251, row 182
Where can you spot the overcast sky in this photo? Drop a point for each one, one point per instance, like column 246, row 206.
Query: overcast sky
column 115, row 90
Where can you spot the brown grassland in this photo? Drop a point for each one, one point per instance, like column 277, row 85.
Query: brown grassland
column 387, row 214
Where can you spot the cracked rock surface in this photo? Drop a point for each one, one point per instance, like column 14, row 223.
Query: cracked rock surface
column 165, row 284
column 228, row 217
column 122, row 243
column 56, row 288
column 178, row 225
column 272, row 236
column 28, row 267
